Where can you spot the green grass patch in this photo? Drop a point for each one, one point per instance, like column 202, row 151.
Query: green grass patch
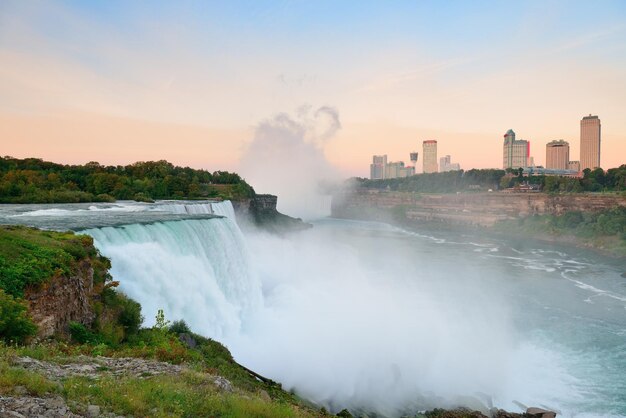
column 29, row 256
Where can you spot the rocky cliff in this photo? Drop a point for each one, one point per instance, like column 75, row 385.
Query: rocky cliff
column 59, row 275
column 64, row 299
column 469, row 209
column 261, row 211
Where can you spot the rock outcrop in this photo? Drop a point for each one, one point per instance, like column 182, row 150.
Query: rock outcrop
column 62, row 300
column 261, row 211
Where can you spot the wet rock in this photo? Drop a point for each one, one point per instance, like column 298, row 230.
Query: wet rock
column 539, row 413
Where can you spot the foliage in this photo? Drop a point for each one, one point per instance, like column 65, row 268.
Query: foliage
column 80, row 334
column 30, row 257
column 179, row 327
column 596, row 180
column 33, row 180
column 605, row 226
column 15, row 323
column 161, row 323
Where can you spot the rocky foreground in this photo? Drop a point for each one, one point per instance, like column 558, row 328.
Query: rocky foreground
column 22, row 404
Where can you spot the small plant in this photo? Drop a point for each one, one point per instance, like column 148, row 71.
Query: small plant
column 161, row 323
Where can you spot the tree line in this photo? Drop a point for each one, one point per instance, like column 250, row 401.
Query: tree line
column 597, row 180
column 32, row 180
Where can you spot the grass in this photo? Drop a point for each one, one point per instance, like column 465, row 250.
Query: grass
column 191, row 393
column 30, row 257
column 188, row 394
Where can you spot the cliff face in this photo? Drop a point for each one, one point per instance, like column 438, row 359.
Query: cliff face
column 261, row 211
column 60, row 275
column 472, row 209
column 62, row 300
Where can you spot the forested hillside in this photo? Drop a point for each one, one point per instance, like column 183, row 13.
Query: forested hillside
column 33, row 180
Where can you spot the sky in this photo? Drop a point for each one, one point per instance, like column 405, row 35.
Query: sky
column 191, row 82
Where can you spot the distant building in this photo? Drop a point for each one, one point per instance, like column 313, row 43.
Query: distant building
column 430, row 156
column 590, row 142
column 557, row 155
column 398, row 169
column 573, row 165
column 445, row 164
column 378, row 167
column 516, row 153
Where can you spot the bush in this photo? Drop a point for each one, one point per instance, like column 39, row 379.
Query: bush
column 82, row 335
column 121, row 317
column 180, row 327
column 15, row 323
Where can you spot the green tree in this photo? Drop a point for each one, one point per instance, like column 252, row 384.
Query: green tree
column 15, row 323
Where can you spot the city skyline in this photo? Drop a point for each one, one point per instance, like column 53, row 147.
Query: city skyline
column 121, row 82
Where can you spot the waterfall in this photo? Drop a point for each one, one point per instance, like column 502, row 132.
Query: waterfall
column 198, row 270
column 224, row 208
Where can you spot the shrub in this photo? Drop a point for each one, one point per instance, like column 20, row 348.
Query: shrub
column 15, row 323
column 180, row 327
column 81, row 334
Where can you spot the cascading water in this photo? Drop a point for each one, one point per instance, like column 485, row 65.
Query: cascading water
column 197, row 270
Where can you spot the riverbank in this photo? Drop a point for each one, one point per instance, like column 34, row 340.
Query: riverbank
column 591, row 221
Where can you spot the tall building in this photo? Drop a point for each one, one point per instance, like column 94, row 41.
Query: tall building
column 589, row 142
column 516, row 153
column 446, row 164
column 378, row 167
column 430, row 156
column 557, row 155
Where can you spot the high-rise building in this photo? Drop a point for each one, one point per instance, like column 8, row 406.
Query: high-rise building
column 589, row 142
column 557, row 155
column 446, row 164
column 430, row 156
column 516, row 153
column 378, row 167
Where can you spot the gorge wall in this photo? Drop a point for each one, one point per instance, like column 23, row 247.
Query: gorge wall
column 63, row 299
column 468, row 209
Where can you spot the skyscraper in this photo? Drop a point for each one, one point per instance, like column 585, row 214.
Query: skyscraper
column 516, row 153
column 557, row 155
column 378, row 167
column 430, row 156
column 589, row 142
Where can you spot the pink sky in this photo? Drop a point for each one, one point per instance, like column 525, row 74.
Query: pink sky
column 84, row 88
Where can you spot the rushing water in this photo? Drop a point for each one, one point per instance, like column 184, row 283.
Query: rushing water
column 365, row 315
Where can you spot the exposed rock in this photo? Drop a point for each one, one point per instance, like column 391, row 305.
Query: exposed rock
column 95, row 367
column 28, row 406
column 62, row 300
column 223, row 384
column 539, row 413
column 93, row 411
column 471, row 209
column 188, row 340
column 260, row 210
